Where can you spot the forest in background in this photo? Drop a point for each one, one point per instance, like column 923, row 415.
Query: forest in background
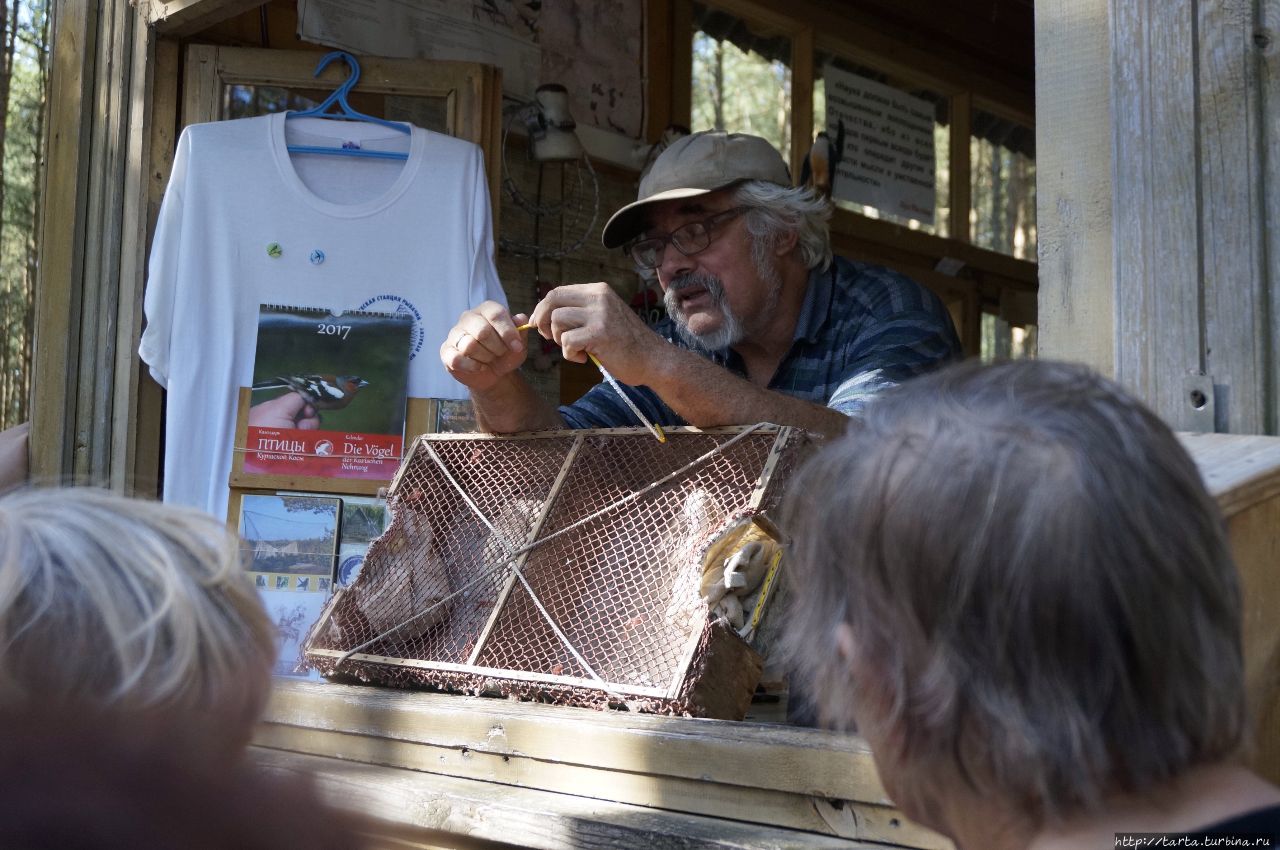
column 24, row 71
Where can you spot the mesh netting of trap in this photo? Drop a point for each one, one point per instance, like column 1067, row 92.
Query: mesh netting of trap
column 560, row 565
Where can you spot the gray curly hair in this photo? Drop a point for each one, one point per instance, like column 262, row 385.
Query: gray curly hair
column 1029, row 562
column 775, row 210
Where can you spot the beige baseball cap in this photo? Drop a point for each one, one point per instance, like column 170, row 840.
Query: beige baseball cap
column 695, row 165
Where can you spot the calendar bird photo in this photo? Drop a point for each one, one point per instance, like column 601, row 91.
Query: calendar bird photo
column 329, row 393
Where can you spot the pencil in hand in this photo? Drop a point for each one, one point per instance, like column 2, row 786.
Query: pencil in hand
column 654, row 428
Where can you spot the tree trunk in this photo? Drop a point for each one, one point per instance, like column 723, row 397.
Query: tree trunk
column 9, row 14
column 23, row 370
column 718, row 95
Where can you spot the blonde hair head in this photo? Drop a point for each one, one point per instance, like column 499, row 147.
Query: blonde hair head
column 119, row 604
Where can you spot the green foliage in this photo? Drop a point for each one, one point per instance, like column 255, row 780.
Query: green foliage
column 1004, row 199
column 24, row 126
column 741, row 92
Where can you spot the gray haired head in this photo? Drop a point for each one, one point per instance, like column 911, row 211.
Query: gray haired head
column 1029, row 567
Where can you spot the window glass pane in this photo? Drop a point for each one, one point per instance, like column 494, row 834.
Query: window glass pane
column 242, row 101
column 246, row 101
column 866, row 138
column 741, row 78
column 1003, row 341
column 1003, row 171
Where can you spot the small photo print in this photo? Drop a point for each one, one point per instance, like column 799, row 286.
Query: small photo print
column 293, row 614
column 363, row 521
column 293, row 535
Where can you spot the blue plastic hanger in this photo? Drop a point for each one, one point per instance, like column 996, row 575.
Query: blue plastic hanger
column 346, row 113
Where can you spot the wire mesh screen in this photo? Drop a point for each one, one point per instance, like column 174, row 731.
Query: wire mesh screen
column 561, row 565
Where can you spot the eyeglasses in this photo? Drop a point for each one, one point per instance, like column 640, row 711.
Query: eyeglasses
column 689, row 240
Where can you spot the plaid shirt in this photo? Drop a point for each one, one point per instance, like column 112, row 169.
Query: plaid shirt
column 861, row 329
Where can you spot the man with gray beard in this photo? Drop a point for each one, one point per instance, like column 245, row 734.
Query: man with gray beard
column 764, row 324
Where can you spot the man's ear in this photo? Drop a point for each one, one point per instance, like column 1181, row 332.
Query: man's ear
column 785, row 243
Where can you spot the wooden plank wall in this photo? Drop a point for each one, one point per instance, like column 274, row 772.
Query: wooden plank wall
column 1157, row 266
column 1235, row 281
column 1267, row 40
column 1157, row 201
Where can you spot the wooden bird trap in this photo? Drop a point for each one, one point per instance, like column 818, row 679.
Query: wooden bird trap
column 594, row 567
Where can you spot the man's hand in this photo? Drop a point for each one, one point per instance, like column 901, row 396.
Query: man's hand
column 590, row 317
column 484, row 347
column 290, row 410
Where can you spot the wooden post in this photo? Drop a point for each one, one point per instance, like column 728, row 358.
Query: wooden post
column 1267, row 40
column 1073, row 192
column 93, row 239
column 801, row 99
column 120, row 438
column 682, row 64
column 961, row 181
column 657, row 67
column 1157, row 265
column 71, row 48
column 143, row 440
column 1237, row 293
column 93, row 175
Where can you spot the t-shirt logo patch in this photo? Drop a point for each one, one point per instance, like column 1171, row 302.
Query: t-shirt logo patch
column 397, row 304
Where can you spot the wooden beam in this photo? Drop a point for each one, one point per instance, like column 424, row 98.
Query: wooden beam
column 1269, row 128
column 536, row 819
column 1018, row 273
column 643, row 788
column 1239, row 470
column 94, row 108
column 187, row 17
column 659, row 48
column 121, row 461
column 960, row 175
column 1236, row 295
column 1074, row 182
column 1242, row 473
column 992, row 37
column 782, row 758
column 104, row 226
column 862, row 38
column 162, row 131
column 772, row 775
column 682, row 63
column 1154, row 194
column 802, row 130
column 57, row 308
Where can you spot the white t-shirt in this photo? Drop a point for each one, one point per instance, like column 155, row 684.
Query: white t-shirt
column 411, row 236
